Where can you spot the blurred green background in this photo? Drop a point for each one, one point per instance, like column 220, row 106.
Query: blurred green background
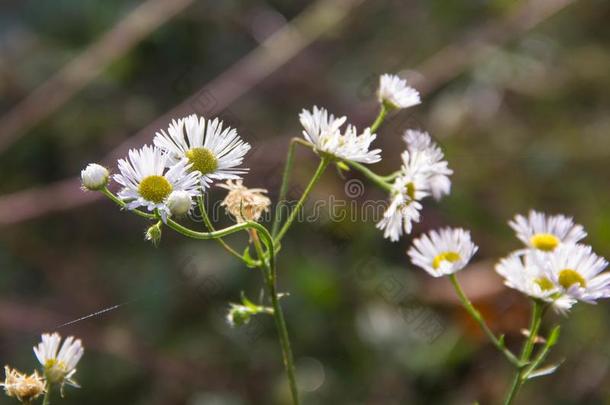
column 516, row 92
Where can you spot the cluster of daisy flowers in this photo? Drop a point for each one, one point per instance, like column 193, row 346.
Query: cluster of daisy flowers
column 58, row 363
column 552, row 267
column 183, row 162
column 167, row 177
column 424, row 171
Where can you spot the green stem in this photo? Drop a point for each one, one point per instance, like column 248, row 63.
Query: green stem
column 476, row 315
column 122, row 204
column 46, row 400
column 270, row 272
column 324, row 162
column 210, row 227
column 528, row 347
column 277, row 218
column 189, row 232
column 391, row 177
column 383, row 112
column 550, row 342
column 381, row 181
column 369, row 174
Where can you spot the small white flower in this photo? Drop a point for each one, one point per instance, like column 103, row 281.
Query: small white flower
column 179, row 203
column 394, row 92
column 323, row 130
column 404, row 208
column 542, row 232
column 444, row 252
column 94, row 177
column 522, row 271
column 59, row 367
column 408, row 190
column 575, row 270
column 211, row 150
column 147, row 183
column 437, row 169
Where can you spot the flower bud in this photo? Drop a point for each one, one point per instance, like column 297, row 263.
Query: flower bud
column 153, row 234
column 179, row 203
column 238, row 315
column 94, row 177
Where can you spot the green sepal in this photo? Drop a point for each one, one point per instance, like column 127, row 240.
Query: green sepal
column 250, row 262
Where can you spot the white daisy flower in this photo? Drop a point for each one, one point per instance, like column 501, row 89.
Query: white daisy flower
column 323, row 130
column 402, row 211
column 444, row 252
column 147, row 183
column 437, row 167
column 522, row 271
column 94, row 177
column 394, row 92
column 59, row 367
column 542, row 232
column 407, row 190
column 575, row 269
column 211, row 150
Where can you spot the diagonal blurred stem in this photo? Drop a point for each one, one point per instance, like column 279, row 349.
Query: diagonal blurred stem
column 476, row 315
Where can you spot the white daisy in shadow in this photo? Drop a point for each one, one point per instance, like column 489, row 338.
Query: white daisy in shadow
column 438, row 170
column 323, row 131
column 394, row 92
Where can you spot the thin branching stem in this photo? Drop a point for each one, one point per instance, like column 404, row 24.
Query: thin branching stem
column 277, row 218
column 316, row 177
column 476, row 315
column 383, row 112
column 46, row 400
column 210, row 227
column 369, row 174
column 518, row 380
column 270, row 275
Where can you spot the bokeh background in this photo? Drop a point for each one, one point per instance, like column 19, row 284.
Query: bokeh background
column 516, row 92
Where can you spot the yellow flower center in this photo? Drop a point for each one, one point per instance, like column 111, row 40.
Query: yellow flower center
column 569, row 277
column 55, row 370
column 410, row 190
column 545, row 283
column 202, row 159
column 155, row 188
column 450, row 257
column 544, row 241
